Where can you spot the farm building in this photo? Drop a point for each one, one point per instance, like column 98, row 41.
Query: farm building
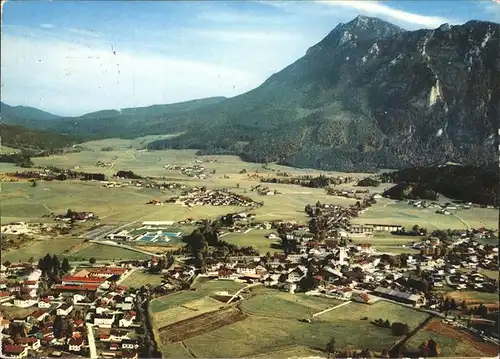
column 158, row 223
column 361, row 229
column 385, row 227
column 403, row 297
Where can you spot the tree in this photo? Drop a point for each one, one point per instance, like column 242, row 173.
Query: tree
column 56, row 265
column 92, row 261
column 464, row 307
column 237, row 185
column 65, row 265
column 330, row 348
column 31, row 260
column 33, row 184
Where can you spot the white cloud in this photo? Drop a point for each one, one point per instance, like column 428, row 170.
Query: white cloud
column 47, row 26
column 379, row 9
column 72, row 79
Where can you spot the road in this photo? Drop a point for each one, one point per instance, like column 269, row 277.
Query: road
column 131, row 155
column 330, row 309
column 241, row 290
column 461, row 220
column 91, row 339
column 114, row 244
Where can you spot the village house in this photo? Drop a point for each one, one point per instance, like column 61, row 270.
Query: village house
column 64, row 309
column 130, row 344
column 127, row 320
column 30, row 343
column 5, row 296
column 75, row 344
column 15, row 351
column 362, row 297
column 104, row 320
column 25, row 301
column 118, row 335
column 385, row 227
column 44, row 303
column 296, row 274
column 38, row 315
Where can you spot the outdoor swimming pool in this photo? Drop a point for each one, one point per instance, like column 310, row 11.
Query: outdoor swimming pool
column 159, row 236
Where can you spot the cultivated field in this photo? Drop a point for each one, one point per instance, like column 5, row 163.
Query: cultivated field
column 139, row 278
column 255, row 238
column 104, row 252
column 39, row 249
column 453, row 342
column 386, row 211
column 267, row 323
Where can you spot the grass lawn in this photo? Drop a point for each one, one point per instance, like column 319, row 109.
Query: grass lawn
column 14, row 312
column 453, row 343
column 271, row 303
column 40, row 249
column 183, row 305
column 297, row 351
column 104, row 252
column 175, row 350
column 272, row 326
column 139, row 278
column 255, row 238
column 385, row 212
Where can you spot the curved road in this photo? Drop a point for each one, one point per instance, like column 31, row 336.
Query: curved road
column 242, row 289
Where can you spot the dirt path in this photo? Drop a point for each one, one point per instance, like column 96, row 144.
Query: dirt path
column 187, row 349
column 43, row 204
column 461, row 220
column 330, row 309
column 131, row 155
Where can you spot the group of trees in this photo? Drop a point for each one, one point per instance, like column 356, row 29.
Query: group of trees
column 397, row 328
column 127, row 174
column 19, row 159
column 51, row 266
column 320, row 181
column 368, row 182
column 204, row 242
column 465, row 183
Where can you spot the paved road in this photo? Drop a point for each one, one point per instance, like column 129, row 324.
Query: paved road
column 91, row 339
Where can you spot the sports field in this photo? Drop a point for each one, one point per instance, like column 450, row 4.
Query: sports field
column 268, row 323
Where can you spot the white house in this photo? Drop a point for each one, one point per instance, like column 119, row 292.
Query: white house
column 127, row 320
column 64, row 309
column 30, row 343
column 77, row 298
column 130, row 344
column 25, row 302
column 75, row 344
column 104, row 320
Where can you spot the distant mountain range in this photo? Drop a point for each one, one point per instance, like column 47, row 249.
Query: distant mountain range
column 369, row 95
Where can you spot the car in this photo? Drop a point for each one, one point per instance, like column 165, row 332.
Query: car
column 305, row 320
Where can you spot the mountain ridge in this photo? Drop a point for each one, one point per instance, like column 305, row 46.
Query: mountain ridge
column 369, row 95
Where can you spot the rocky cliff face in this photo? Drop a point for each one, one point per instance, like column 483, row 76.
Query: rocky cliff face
column 370, row 94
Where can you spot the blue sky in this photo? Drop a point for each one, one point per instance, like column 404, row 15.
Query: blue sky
column 75, row 57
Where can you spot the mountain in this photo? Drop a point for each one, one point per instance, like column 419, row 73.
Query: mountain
column 128, row 122
column 34, row 140
column 25, row 116
column 370, row 94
